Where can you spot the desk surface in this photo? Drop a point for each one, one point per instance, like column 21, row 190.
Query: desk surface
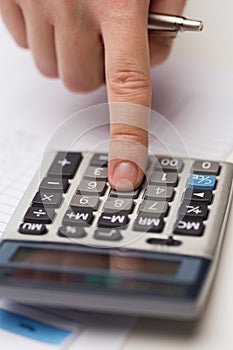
column 212, row 47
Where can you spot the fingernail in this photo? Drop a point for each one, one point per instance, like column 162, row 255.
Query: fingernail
column 125, row 176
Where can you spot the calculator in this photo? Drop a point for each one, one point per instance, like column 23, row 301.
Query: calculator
column 75, row 242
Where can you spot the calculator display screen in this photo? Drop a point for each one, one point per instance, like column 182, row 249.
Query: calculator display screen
column 109, row 262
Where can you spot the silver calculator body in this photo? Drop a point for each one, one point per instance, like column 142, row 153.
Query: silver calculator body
column 120, row 254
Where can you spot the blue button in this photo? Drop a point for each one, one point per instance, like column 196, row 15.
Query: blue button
column 32, row 329
column 202, row 181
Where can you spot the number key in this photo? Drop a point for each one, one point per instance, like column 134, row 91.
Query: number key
column 93, row 188
column 159, row 192
column 99, row 159
column 162, row 178
column 85, row 202
column 118, row 205
column 206, row 167
column 153, row 207
column 97, row 173
column 169, row 164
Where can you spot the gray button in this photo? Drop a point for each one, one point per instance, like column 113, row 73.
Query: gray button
column 118, row 204
column 162, row 178
column 85, row 202
column 148, row 223
column 77, row 217
column 98, row 173
column 130, row 194
column 206, row 167
column 47, row 199
column 154, row 207
column 159, row 192
column 169, row 164
column 99, row 159
column 108, row 235
column 92, row 187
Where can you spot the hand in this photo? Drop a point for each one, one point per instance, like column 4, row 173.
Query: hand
column 87, row 42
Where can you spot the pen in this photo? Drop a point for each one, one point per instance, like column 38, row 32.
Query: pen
column 171, row 23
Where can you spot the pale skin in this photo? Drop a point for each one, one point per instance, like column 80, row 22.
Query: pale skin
column 90, row 42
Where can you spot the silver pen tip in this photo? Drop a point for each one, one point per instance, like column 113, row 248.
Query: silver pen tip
column 190, row 24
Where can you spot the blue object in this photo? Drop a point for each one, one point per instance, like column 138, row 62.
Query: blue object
column 206, row 182
column 32, row 329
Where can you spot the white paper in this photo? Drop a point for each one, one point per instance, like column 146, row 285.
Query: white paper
column 196, row 100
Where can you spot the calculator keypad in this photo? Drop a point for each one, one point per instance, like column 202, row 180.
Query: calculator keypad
column 146, row 210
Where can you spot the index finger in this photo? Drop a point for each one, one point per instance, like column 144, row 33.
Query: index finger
column 127, row 63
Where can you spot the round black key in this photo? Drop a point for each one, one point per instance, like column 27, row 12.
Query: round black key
column 71, row 232
column 33, row 228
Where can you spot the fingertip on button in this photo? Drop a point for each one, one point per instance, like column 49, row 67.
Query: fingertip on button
column 126, row 176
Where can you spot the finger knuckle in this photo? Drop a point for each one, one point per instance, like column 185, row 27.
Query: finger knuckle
column 128, row 80
column 129, row 134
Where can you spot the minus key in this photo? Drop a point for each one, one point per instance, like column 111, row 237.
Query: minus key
column 54, row 184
